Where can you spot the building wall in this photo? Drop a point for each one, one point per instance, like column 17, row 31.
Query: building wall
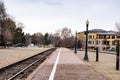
column 92, row 40
column 102, row 41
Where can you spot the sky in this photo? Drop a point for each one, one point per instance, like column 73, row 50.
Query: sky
column 50, row 15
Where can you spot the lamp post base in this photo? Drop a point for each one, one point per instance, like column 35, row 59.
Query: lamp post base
column 86, row 59
column 75, row 51
column 86, row 55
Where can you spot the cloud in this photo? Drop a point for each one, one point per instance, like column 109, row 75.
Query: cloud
column 44, row 14
column 47, row 2
column 52, row 2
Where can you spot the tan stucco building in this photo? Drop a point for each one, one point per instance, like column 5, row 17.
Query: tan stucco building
column 99, row 38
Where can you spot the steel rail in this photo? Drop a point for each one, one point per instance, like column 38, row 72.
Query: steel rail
column 14, row 76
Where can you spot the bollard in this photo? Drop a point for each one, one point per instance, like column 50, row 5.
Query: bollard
column 97, row 54
column 117, row 61
column 118, row 57
column 75, row 51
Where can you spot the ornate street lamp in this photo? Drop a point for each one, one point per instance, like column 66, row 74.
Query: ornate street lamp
column 86, row 47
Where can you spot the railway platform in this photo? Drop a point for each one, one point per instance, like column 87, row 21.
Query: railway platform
column 63, row 64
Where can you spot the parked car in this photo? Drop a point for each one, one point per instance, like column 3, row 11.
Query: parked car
column 9, row 44
column 111, row 49
column 1, row 44
column 19, row 45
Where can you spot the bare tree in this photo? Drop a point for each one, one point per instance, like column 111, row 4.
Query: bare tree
column 63, row 37
column 37, row 39
column 6, row 26
column 3, row 13
column 81, row 39
column 66, row 33
column 2, row 24
column 68, row 42
column 55, row 40
column 20, row 25
column 27, row 39
column 9, row 32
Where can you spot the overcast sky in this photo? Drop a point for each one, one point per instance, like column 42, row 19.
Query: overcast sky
column 49, row 15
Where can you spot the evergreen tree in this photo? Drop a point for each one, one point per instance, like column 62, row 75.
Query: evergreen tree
column 18, row 36
column 46, row 40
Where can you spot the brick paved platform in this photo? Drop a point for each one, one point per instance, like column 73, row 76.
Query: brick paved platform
column 69, row 67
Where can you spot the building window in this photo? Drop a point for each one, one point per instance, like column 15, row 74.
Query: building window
column 113, row 37
column 89, row 42
column 113, row 42
column 100, row 37
column 97, row 37
column 104, row 37
column 107, row 43
column 97, row 42
column 108, row 37
column 90, row 36
column 104, row 42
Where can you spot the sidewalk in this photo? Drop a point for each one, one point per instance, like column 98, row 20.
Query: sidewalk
column 69, row 67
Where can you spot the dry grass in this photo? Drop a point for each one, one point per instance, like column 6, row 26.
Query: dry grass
column 106, row 64
column 11, row 55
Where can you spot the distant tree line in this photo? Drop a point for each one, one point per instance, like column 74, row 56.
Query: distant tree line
column 62, row 38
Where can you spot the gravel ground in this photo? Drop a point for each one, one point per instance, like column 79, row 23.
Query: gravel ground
column 106, row 64
column 11, row 55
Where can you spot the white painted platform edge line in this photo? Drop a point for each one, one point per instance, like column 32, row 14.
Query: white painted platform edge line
column 55, row 66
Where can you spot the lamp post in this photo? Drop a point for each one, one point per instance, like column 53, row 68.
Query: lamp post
column 86, row 47
column 75, row 43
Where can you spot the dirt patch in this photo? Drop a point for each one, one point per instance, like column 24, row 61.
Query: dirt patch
column 105, row 66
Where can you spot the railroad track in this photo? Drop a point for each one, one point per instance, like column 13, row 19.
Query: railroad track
column 20, row 70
